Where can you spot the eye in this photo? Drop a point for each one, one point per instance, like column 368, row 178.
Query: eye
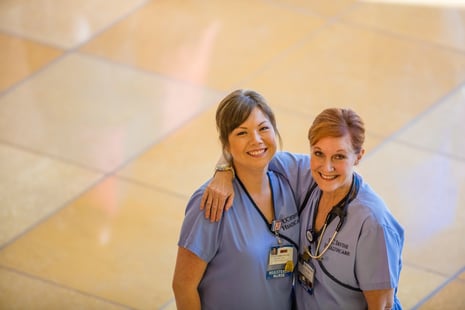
column 241, row 133
column 339, row 157
column 264, row 128
column 318, row 153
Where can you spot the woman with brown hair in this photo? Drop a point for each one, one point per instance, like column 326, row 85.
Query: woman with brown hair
column 245, row 260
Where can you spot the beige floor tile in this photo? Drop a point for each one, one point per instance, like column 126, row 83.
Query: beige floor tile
column 64, row 23
column 19, row 291
column 324, row 8
column 431, row 255
column 415, row 285
column 441, row 128
column 451, row 297
column 212, row 43
column 117, row 242
column 293, row 128
column 20, row 58
column 425, row 191
column 181, row 162
column 94, row 113
column 388, row 81
column 33, row 187
column 443, row 25
column 170, row 306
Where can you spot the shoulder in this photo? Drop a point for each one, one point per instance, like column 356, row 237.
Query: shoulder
column 368, row 198
column 193, row 204
column 289, row 163
column 198, row 234
column 374, row 212
column 198, row 193
column 287, row 157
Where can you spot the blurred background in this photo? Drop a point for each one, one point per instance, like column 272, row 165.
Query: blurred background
column 107, row 127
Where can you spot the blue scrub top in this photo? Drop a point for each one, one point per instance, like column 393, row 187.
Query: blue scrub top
column 237, row 249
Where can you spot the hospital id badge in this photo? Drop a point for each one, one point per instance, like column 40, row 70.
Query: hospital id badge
column 306, row 272
column 280, row 262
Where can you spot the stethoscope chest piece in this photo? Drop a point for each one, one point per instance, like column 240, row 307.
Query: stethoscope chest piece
column 310, row 235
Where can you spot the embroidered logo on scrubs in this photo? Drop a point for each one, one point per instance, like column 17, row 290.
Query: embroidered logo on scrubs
column 339, row 247
column 290, row 221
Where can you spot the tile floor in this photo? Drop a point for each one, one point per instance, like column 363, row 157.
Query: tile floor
column 106, row 128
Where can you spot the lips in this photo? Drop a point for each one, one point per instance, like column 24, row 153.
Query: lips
column 257, row 153
column 327, row 177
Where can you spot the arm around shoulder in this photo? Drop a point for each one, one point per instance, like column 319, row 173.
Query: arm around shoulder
column 219, row 194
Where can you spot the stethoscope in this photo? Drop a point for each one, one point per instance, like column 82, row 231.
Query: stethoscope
column 340, row 211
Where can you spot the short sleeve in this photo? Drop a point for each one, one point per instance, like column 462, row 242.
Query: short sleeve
column 198, row 234
column 378, row 260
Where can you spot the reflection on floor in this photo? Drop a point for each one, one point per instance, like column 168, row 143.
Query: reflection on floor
column 107, row 127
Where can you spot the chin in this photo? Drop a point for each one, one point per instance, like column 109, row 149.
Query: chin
column 327, row 186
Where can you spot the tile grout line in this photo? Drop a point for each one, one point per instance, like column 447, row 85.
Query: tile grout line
column 430, row 109
column 49, row 215
column 65, row 287
column 327, row 22
column 439, row 288
column 66, row 51
column 167, row 304
column 428, row 270
column 103, row 176
column 403, row 37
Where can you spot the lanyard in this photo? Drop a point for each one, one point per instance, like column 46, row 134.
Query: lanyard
column 275, row 226
column 339, row 210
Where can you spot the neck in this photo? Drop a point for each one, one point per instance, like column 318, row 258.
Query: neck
column 332, row 198
column 255, row 180
column 257, row 185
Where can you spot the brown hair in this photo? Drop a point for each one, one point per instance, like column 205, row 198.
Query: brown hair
column 235, row 108
column 337, row 122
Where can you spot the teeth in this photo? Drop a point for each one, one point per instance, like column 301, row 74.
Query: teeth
column 258, row 152
column 328, row 177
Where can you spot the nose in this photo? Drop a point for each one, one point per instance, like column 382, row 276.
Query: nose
column 256, row 137
column 328, row 165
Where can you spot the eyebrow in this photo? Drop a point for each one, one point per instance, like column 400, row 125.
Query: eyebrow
column 265, row 121
column 337, row 151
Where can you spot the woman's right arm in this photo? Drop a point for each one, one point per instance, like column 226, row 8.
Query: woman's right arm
column 188, row 273
column 219, row 194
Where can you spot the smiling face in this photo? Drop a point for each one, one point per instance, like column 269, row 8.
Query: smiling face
column 336, row 145
column 332, row 163
column 253, row 143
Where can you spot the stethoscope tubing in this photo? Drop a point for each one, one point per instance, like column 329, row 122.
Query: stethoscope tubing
column 326, row 248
